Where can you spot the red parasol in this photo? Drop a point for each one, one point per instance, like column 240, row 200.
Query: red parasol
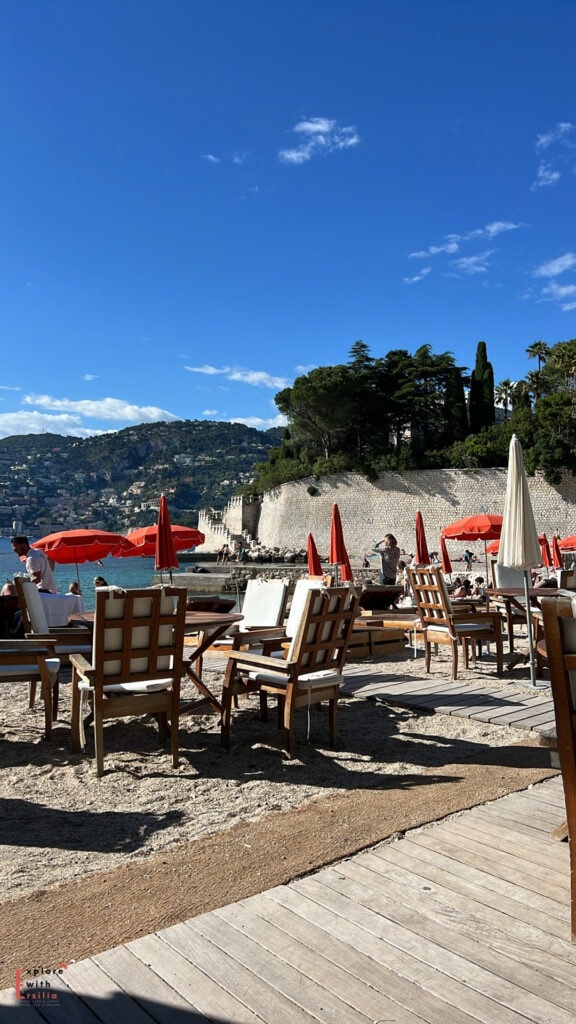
column 557, row 560
column 493, row 547
column 422, row 556
column 568, row 543
column 338, row 553
column 69, row 547
column 545, row 550
column 445, row 560
column 314, row 565
column 479, row 527
column 165, row 551
column 144, row 539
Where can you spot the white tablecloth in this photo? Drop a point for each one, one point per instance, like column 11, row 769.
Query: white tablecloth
column 59, row 606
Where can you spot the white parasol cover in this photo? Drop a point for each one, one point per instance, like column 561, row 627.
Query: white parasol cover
column 519, row 545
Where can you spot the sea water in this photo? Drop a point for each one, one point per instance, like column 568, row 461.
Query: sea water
column 119, row 572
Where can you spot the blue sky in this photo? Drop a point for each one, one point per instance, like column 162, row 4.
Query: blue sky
column 203, row 199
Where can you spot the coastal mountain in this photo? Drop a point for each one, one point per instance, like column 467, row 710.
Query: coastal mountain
column 49, row 481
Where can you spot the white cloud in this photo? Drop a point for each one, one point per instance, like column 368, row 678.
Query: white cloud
column 8, row 387
column 258, row 423
column 558, row 134
column 473, row 264
column 90, row 376
column 418, row 277
column 306, row 369
column 30, row 422
column 321, row 135
column 114, row 409
column 554, row 267
column 240, row 157
column 545, row 176
column 209, row 412
column 256, row 378
column 210, row 158
column 454, row 241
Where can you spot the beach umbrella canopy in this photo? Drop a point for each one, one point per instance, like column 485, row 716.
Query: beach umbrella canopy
column 165, row 552
column 422, row 556
column 143, row 539
column 444, row 557
column 478, row 527
column 69, row 546
column 519, row 547
column 314, row 565
column 492, row 547
column 567, row 543
column 545, row 553
column 557, row 560
column 338, row 553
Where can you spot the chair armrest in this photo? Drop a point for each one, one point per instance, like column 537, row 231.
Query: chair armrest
column 81, row 664
column 254, row 661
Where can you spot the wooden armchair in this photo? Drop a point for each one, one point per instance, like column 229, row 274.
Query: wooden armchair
column 136, row 665
column 442, row 624
column 310, row 671
column 560, row 634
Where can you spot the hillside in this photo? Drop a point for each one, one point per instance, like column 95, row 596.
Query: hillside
column 51, row 481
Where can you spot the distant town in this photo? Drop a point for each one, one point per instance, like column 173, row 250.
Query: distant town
column 113, row 481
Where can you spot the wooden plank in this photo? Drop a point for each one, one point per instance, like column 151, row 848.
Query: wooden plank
column 145, row 987
column 326, row 971
column 184, row 976
column 69, row 1008
column 469, row 919
column 102, row 995
column 292, row 991
column 374, row 936
column 462, row 878
column 443, row 926
column 415, row 933
column 429, row 874
column 223, row 968
column 499, row 837
column 399, row 999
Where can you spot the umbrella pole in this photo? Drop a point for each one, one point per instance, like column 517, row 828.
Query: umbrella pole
column 529, row 624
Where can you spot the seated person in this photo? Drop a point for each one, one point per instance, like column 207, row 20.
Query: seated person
column 478, row 587
column 74, row 588
column 464, row 590
column 11, row 625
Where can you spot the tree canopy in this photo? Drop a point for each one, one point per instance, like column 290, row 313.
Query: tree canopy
column 402, row 411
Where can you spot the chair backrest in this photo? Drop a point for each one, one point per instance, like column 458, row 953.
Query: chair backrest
column 264, row 603
column 559, row 618
column 138, row 634
column 505, row 576
column 298, row 603
column 431, row 596
column 33, row 614
column 323, row 636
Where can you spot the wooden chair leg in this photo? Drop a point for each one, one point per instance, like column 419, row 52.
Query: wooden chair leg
column 98, row 739
column 332, row 719
column 31, row 693
column 454, row 646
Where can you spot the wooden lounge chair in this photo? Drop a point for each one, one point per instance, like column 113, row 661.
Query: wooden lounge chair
column 442, row 624
column 310, row 671
column 560, row 634
column 136, row 664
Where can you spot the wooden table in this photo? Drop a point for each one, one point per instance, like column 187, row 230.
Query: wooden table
column 209, row 626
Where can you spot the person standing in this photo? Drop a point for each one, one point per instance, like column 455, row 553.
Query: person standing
column 390, row 556
column 37, row 564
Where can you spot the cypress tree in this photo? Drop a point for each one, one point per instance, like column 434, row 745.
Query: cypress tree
column 481, row 395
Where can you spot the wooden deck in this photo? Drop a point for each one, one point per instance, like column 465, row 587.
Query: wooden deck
column 458, row 922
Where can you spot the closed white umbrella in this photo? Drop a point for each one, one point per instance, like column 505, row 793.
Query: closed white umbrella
column 519, row 545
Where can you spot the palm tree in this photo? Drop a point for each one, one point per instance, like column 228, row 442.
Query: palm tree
column 503, row 395
column 536, row 381
column 540, row 351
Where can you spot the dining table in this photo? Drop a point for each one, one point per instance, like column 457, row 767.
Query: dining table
column 206, row 626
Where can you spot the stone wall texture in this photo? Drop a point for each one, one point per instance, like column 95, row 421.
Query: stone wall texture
column 370, row 510
column 284, row 517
